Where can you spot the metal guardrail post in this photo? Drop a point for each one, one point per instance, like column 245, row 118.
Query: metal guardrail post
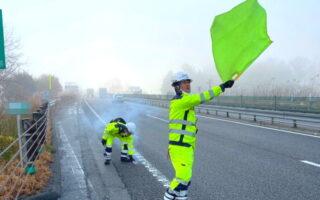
column 272, row 120
column 208, row 111
column 254, row 118
column 20, row 142
column 227, row 114
column 295, row 124
column 239, row 115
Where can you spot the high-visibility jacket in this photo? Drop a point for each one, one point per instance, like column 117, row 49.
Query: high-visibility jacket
column 182, row 116
column 115, row 129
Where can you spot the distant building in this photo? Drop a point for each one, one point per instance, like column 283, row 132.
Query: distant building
column 71, row 88
column 135, row 90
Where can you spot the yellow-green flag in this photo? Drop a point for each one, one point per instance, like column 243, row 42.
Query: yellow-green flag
column 239, row 36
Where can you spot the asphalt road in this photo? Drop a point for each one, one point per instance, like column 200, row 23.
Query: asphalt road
column 303, row 121
column 232, row 161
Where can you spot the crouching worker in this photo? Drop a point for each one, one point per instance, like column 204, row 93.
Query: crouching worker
column 118, row 128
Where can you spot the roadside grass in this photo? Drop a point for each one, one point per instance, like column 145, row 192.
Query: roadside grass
column 29, row 184
column 34, row 183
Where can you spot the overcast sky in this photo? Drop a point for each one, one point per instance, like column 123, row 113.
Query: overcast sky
column 89, row 42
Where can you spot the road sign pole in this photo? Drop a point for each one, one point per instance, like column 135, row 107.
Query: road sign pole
column 2, row 53
column 19, row 136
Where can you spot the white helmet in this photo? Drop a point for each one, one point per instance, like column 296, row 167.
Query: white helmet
column 131, row 127
column 180, row 76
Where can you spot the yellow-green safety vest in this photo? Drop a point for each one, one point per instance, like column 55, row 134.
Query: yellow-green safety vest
column 115, row 129
column 182, row 116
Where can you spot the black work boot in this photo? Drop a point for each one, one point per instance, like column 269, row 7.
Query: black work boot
column 125, row 159
column 169, row 195
column 107, row 162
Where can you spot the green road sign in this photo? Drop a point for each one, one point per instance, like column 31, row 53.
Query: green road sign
column 18, row 108
column 2, row 56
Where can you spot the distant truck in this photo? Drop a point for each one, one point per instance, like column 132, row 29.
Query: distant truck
column 103, row 93
column 90, row 93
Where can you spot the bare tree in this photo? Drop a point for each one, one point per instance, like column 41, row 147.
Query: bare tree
column 13, row 61
column 20, row 87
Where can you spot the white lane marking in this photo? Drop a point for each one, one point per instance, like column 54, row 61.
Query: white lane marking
column 95, row 113
column 304, row 161
column 70, row 160
column 310, row 163
column 154, row 171
column 157, row 118
column 292, row 132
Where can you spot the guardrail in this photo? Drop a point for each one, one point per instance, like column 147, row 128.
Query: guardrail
column 34, row 135
column 293, row 122
column 278, row 103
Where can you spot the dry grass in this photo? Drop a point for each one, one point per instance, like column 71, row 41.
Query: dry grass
column 34, row 182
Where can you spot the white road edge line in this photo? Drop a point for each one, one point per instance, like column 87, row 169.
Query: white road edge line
column 154, row 171
column 296, row 133
column 292, row 132
column 72, row 156
column 310, row 163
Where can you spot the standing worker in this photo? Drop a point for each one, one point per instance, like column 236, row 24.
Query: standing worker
column 124, row 131
column 183, row 130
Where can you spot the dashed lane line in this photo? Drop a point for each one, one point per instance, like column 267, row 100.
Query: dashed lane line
column 304, row 161
column 310, row 163
column 154, row 171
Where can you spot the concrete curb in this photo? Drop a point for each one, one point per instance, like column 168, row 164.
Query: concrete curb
column 45, row 196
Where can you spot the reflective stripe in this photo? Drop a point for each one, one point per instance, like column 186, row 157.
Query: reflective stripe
column 168, row 196
column 181, row 181
column 182, row 132
column 124, row 151
column 202, row 97
column 181, row 198
column 108, row 146
column 124, row 156
column 180, row 121
column 179, row 143
column 211, row 93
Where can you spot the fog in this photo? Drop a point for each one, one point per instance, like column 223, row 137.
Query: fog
column 298, row 77
column 137, row 43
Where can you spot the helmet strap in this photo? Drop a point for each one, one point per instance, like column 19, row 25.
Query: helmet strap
column 177, row 89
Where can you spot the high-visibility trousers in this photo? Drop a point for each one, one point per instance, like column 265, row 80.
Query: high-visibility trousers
column 182, row 159
column 127, row 143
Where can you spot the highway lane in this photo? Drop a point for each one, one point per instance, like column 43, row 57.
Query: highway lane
column 306, row 121
column 233, row 161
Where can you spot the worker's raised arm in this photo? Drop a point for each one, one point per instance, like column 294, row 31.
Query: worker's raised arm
column 190, row 101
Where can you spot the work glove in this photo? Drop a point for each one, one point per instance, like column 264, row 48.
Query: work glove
column 132, row 160
column 227, row 84
column 103, row 142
